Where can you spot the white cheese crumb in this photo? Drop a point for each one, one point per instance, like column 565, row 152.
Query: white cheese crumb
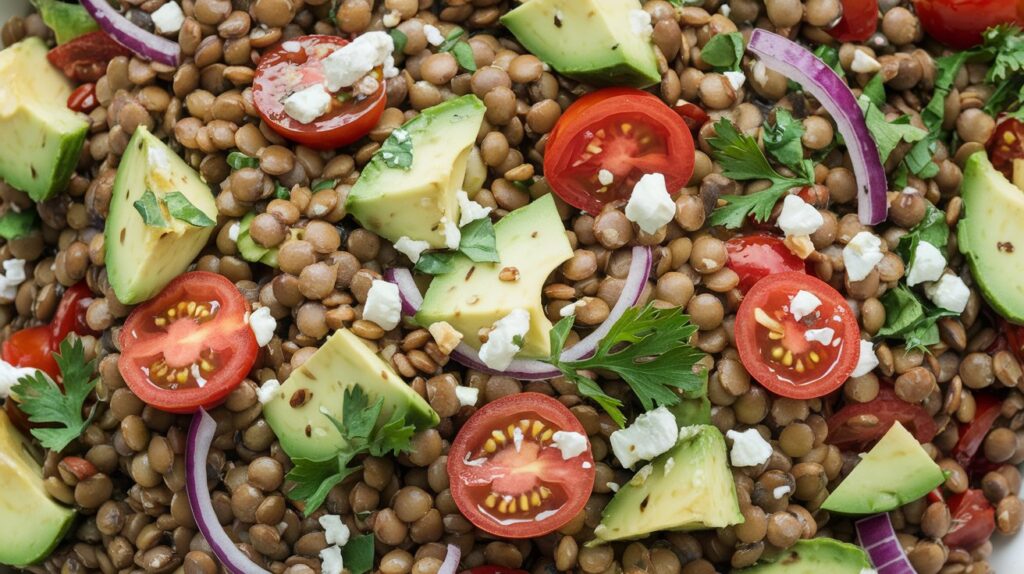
column 736, row 79
column 640, row 23
column 748, row 448
column 803, row 304
column 168, row 18
column 446, row 337
column 670, row 463
column 799, row 217
column 949, row 292
column 434, row 36
column 331, row 561
column 366, row 86
column 570, row 309
column 468, row 396
column 725, row 10
column 823, row 335
column 14, row 275
column 650, row 205
column 469, row 210
column 452, row 235
column 233, row 231
column 383, row 304
column 292, row 46
column 760, row 73
column 867, row 361
column 863, row 63
column 781, row 491
column 335, row 530
column 411, row 248
column 612, row 486
column 348, row 65
column 391, row 19
column 572, row 444
column 308, row 104
column 500, row 348
column 651, row 434
column 861, row 255
column 267, row 390
column 641, row 476
column 928, row 265
column 9, row 375
column 263, row 325
column 605, row 177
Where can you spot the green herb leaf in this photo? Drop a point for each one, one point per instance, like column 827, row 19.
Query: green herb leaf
column 463, row 53
column 874, row 91
column 314, row 480
column 394, row 436
column 920, row 160
column 451, row 39
column 478, row 241
column 281, row 192
column 888, row 134
column 182, row 209
column 42, row 400
column 150, row 209
column 724, row 51
column 325, row 184
column 397, row 150
column 932, row 229
column 436, row 263
column 830, row 55
column 909, row 318
column 238, row 160
column 14, row 225
column 358, row 554
column 782, row 139
column 1006, row 44
column 399, row 38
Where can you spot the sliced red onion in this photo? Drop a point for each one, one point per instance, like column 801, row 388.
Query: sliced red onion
column 451, row 560
column 529, row 369
column 799, row 64
column 200, row 436
column 144, row 44
column 878, row 538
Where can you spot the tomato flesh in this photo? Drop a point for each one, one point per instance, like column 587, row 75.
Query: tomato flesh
column 83, row 98
column 508, row 477
column 70, row 314
column 986, row 410
column 32, row 347
column 1006, row 145
column 859, row 22
column 85, row 58
column 857, row 426
column 754, row 257
column 973, row 520
column 960, row 23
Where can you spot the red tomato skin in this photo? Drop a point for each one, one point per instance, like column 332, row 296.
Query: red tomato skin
column 33, row 348
column 986, row 411
column 692, row 114
column 973, row 520
column 754, row 257
column 1006, row 144
column 85, row 58
column 960, row 23
column 70, row 314
column 888, row 408
column 859, row 22
column 83, row 98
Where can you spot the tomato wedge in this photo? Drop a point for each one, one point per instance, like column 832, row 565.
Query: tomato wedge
column 859, row 22
column 959, row 23
column 858, row 425
column 83, row 98
column 189, row 346
column 1006, row 144
column 297, row 64
column 32, row 347
column 986, row 411
column 507, row 475
column 70, row 314
column 973, row 520
column 85, row 58
column 797, row 356
column 754, row 257
column 624, row 132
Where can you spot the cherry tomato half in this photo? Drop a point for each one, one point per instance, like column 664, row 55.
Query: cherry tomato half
column 754, row 257
column 973, row 520
column 283, row 71
column 189, row 346
column 83, row 98
column 857, row 426
column 797, row 358
column 986, row 410
column 625, row 132
column 959, row 23
column 694, row 116
column 508, row 477
column 859, row 22
column 70, row 314
column 33, row 348
column 85, row 58
column 1006, row 145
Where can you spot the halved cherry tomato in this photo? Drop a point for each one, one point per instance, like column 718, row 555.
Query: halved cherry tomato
column 959, row 23
column 70, row 314
column 780, row 351
column 858, row 425
column 283, row 71
column 626, row 132
column 85, row 58
column 1006, row 145
column 32, row 347
column 754, row 257
column 973, row 520
column 859, row 22
column 508, row 478
column 189, row 346
column 83, row 98
column 986, row 410
column 692, row 114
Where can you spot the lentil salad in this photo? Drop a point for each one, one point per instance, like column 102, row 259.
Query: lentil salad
column 289, row 268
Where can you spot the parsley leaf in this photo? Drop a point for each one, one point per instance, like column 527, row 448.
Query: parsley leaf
column 931, row 229
column 909, row 318
column 150, row 209
column 830, row 55
column 724, row 51
column 315, row 479
column 42, row 400
column 14, row 225
column 357, row 555
column 782, row 139
column 888, row 134
column 238, row 160
column 182, row 209
column 478, row 241
column 397, row 150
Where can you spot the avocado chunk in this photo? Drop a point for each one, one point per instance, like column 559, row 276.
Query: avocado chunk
column 588, row 40
column 31, row 523
column 68, row 21
column 815, row 556
column 42, row 138
column 472, row 296
column 690, row 487
column 396, row 202
column 142, row 259
column 991, row 236
column 296, row 413
column 248, row 249
column 895, row 472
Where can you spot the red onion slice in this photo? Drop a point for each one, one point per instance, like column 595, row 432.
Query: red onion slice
column 451, row 560
column 799, row 64
column 200, row 436
column 878, row 538
column 145, row 45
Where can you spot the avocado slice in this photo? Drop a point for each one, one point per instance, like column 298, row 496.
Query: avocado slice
column 472, row 296
column 318, row 387
column 31, row 523
column 394, row 202
column 42, row 138
column 895, row 472
column 588, row 40
column 143, row 259
column 815, row 556
column 690, row 487
column 991, row 236
column 68, row 21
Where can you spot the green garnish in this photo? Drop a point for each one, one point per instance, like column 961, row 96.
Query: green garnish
column 238, row 160
column 887, row 134
column 397, row 150
column 399, row 38
column 182, row 209
column 932, row 229
column 724, row 52
column 357, row 555
column 149, row 208
column 478, row 243
column 782, row 139
column 14, row 225
column 281, row 192
column 325, row 184
column 909, row 318
column 462, row 51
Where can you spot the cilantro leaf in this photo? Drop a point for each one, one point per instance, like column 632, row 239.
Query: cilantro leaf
column 782, row 139
column 393, row 436
column 1006, row 45
column 150, row 209
column 42, row 400
column 14, row 225
column 314, row 480
column 396, row 152
column 830, row 55
column 180, row 208
column 358, row 554
column 238, row 160
column 478, row 241
column 932, row 229
column 888, row 134
column 724, row 51
column 359, row 416
column 281, row 192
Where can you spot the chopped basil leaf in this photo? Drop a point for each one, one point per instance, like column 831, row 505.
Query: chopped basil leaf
column 436, row 263
column 182, row 209
column 397, row 150
column 400, row 40
column 478, row 241
column 150, row 209
column 724, row 51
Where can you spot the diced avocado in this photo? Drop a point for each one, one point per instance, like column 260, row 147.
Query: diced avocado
column 143, row 259
column 991, row 236
column 531, row 240
column 42, row 138
column 249, row 249
column 589, row 40
column 815, row 556
column 690, row 487
column 896, row 471
column 296, row 413
column 68, row 21
column 31, row 523
column 394, row 202
column 692, row 411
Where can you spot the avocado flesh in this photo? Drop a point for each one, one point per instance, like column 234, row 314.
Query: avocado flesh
column 815, row 556
column 896, row 471
column 142, row 260
column 472, row 296
column 344, row 361
column 251, row 251
column 991, row 236
column 31, row 523
column 588, row 40
column 696, row 492
column 394, row 203
column 42, row 139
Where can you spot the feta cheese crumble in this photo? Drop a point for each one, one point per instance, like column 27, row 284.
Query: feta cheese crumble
column 469, row 210
column 330, row 560
column 267, row 391
column 748, row 448
column 348, row 65
column 308, row 104
column 263, row 325
column 500, row 348
column 867, row 360
column 168, row 18
column 383, row 304
column 651, row 434
column 571, row 444
column 863, row 63
column 649, row 205
column 928, row 264
column 233, row 231
column 799, row 217
column 780, row 491
column 803, row 304
column 434, row 36
column 468, row 396
column 612, row 486
column 411, row 248
column 446, row 337
column 861, row 255
column 949, row 292
column 452, row 235
column 335, row 530
column 9, row 375
column 823, row 335
column 391, row 19
column 605, row 177
column 640, row 23
column 736, row 79
column 14, row 275
column 570, row 309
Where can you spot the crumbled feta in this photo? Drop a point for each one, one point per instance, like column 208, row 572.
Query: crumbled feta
column 760, row 73
column 469, row 210
column 335, row 530
column 736, row 79
column 348, row 65
column 803, row 304
column 748, row 448
column 725, row 10
column 823, row 335
column 799, row 217
column 330, row 560
column 292, row 46
column 650, row 205
column 572, row 444
column 468, row 396
column 570, row 309
column 781, row 491
column 928, row 264
column 267, row 390
column 605, row 177
column 366, row 86
column 13, row 276
column 263, row 325
column 641, row 476
column 452, row 235
column 651, row 434
column 861, row 255
column 233, row 231
column 949, row 292
column 612, row 486
column 411, row 248
column 434, row 36
column 168, row 18
column 670, row 463
column 308, row 104
column 391, row 19
column 9, row 375
column 863, row 63
column 446, row 337
column 500, row 348
column 867, row 361
column 640, row 23
column 383, row 304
